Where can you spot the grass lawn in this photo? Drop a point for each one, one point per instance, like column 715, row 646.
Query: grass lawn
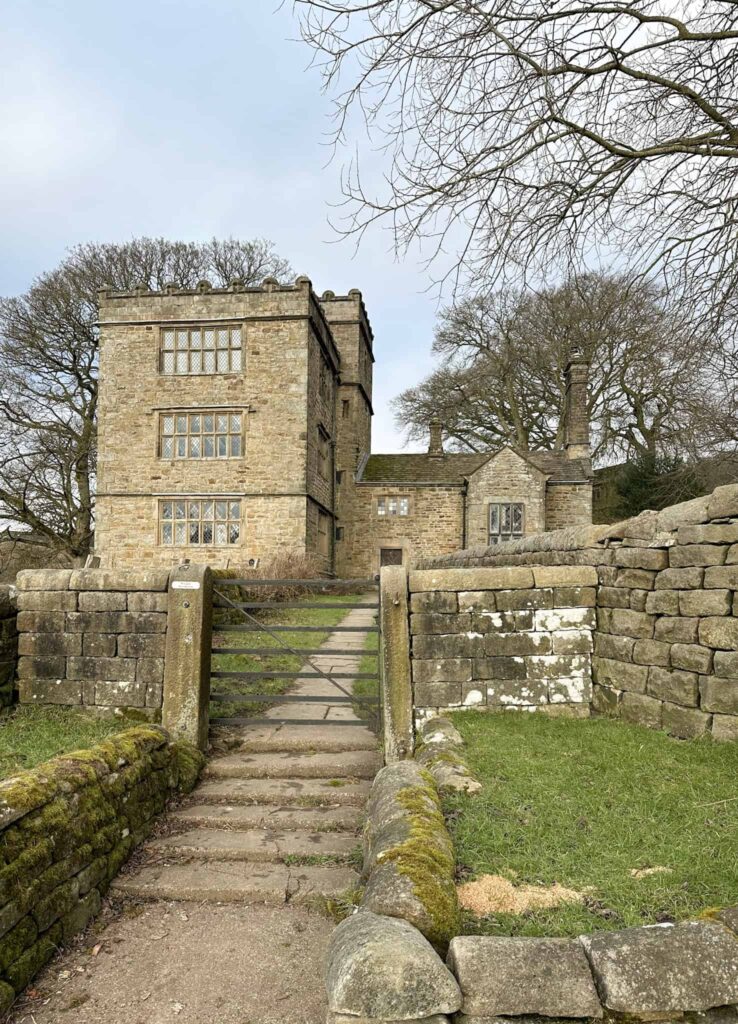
column 280, row 661
column 583, row 804
column 368, row 687
column 30, row 735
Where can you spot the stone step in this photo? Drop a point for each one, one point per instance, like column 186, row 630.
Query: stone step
column 305, row 792
column 314, row 819
column 237, row 882
column 359, row 764
column 255, row 845
column 297, row 738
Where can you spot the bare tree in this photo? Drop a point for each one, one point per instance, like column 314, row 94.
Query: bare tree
column 48, row 374
column 504, row 353
column 529, row 134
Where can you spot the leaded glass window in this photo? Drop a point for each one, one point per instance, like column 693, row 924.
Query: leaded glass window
column 506, row 521
column 393, row 506
column 195, row 521
column 188, row 350
column 201, row 434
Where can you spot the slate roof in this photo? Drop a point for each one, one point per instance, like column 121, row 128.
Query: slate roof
column 454, row 467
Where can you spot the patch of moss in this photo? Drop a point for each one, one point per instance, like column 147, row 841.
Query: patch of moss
column 7, row 997
column 30, row 963
column 426, row 858
column 18, row 939
column 190, row 762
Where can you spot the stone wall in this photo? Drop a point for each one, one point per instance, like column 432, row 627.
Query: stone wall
column 92, row 637
column 666, row 634
column 502, row 638
column 8, row 644
column 504, row 478
column 66, row 828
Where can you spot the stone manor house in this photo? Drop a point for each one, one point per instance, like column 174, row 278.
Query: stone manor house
column 236, row 423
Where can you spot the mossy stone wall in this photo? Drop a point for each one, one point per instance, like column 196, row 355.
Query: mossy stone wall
column 8, row 644
column 66, row 827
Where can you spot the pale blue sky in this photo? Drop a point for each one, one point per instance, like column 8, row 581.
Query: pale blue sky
column 188, row 120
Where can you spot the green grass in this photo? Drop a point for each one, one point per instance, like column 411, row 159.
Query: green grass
column 280, row 661
column 368, row 687
column 30, row 735
column 582, row 803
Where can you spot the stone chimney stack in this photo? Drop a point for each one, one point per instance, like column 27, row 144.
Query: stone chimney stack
column 576, row 416
column 435, row 446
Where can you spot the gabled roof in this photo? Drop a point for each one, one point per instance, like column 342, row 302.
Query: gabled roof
column 454, row 468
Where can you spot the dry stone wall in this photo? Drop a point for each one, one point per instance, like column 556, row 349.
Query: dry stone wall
column 92, row 637
column 665, row 589
column 66, row 828
column 502, row 638
column 8, row 644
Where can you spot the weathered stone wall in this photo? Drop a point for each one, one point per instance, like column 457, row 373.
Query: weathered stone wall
column 66, row 828
column 666, row 636
column 502, row 638
column 92, row 637
column 8, row 644
column 506, row 477
column 567, row 504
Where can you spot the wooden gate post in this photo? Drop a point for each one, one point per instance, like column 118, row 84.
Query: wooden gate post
column 397, row 688
column 187, row 653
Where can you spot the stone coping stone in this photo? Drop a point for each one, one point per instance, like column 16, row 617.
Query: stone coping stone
column 119, row 579
column 383, row 968
column 43, row 579
column 506, row 976
column 350, row 1018
column 515, row 578
column 661, row 969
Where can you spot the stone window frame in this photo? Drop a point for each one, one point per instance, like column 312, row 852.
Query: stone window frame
column 383, row 507
column 190, row 343
column 496, row 534
column 324, row 453
column 324, row 534
column 232, row 436
column 200, row 517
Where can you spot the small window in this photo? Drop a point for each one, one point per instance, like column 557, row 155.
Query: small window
column 345, row 408
column 390, row 556
column 324, row 454
column 339, row 477
column 506, row 520
column 393, row 506
column 339, row 533
column 200, row 434
column 324, row 383
column 194, row 350
column 186, row 522
column 324, row 534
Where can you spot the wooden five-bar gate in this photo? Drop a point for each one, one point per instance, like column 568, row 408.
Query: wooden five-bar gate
column 227, row 594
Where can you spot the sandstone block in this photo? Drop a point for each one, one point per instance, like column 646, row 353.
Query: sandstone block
column 673, row 685
column 681, row 579
column 607, row 575
column 497, row 645
column 662, row 969
column 121, row 579
column 677, row 630
column 613, row 597
column 436, row 622
column 620, row 675
column 726, row 664
column 573, row 690
column 674, row 516
column 111, row 669
column 46, row 601
column 630, row 623
column 472, row 600
column 710, row 533
column 639, row 709
column 572, row 641
column 663, row 602
column 565, row 575
column 155, row 694
column 721, row 577
column 704, row 602
column 41, row 622
column 618, row 648
column 575, row 597
column 641, row 558
column 43, row 579
column 725, row 728
column 640, row 579
column 720, row 632
column 517, row 693
column 720, row 695
column 102, row 601
column 437, row 694
column 473, row 694
column 515, row 600
column 120, row 693
column 141, row 601
column 452, row 670
column 557, row 665
column 50, row 691
column 472, row 579
column 46, row 644
column 148, row 622
column 501, row 976
column 686, row 723
column 605, row 700
column 638, row 599
column 150, row 670
column 550, row 620
column 692, row 658
column 42, row 667
column 97, row 645
column 502, row 622
column 697, row 554
column 723, row 502
column 461, row 645
column 77, row 919
column 651, row 652
column 383, row 967
column 499, row 668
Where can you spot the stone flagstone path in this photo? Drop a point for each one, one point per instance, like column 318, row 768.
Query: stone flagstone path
column 271, row 826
